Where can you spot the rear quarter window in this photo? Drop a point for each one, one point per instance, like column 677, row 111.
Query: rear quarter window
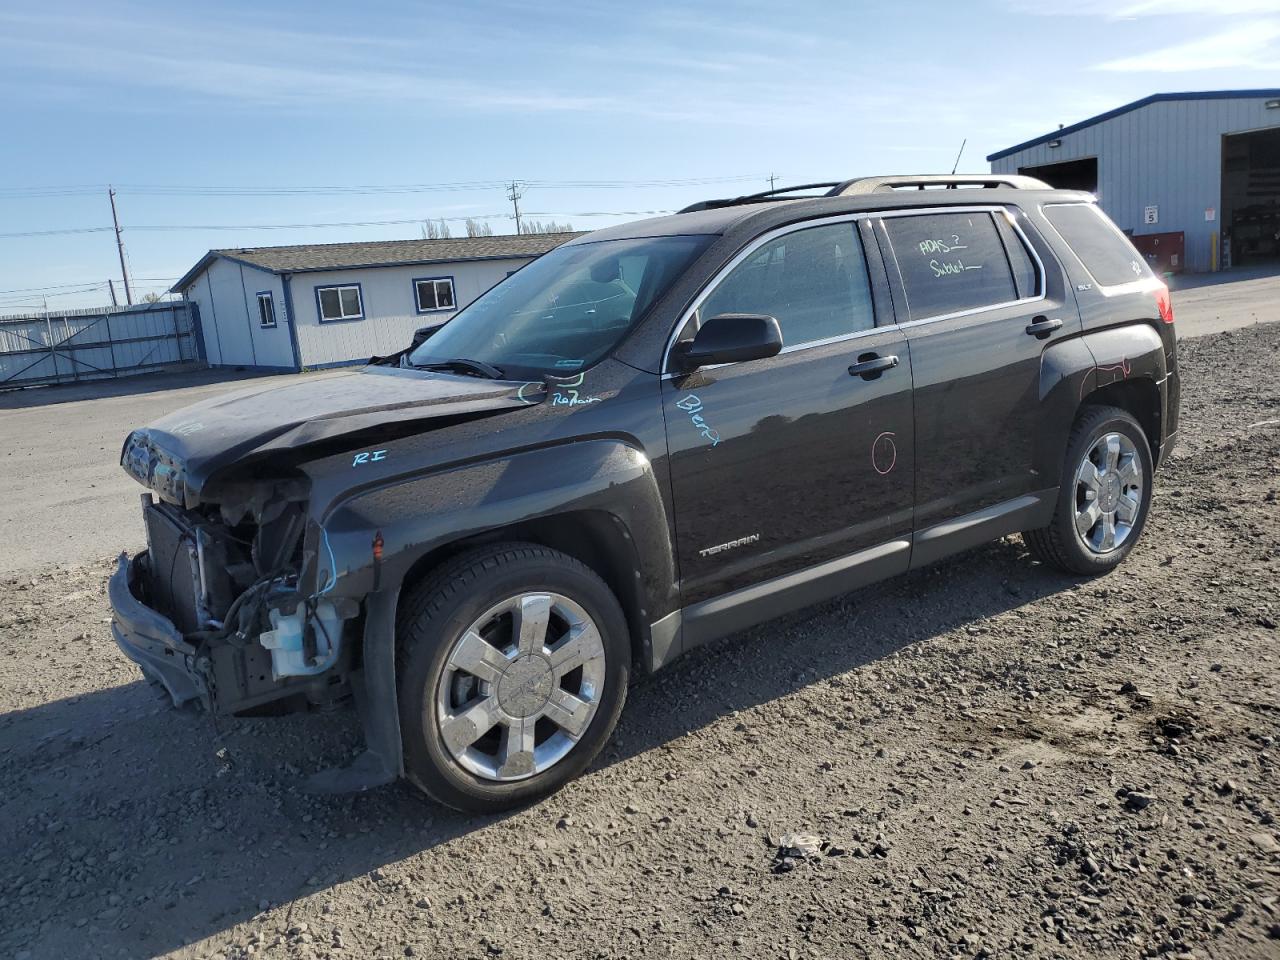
column 1098, row 243
column 950, row 262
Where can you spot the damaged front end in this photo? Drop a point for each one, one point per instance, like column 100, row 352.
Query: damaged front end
column 227, row 606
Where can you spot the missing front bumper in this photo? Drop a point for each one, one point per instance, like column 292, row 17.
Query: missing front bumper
column 150, row 639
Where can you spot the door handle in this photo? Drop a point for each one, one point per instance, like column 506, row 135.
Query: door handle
column 870, row 366
column 1041, row 327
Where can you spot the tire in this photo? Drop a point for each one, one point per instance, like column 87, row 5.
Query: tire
column 492, row 718
column 1113, row 493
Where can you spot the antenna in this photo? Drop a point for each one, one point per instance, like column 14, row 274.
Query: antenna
column 955, row 166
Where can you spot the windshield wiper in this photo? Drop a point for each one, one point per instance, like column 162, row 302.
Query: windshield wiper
column 465, row 365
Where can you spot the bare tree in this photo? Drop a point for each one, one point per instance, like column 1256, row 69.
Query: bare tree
column 151, row 298
column 476, row 228
column 435, row 230
column 547, row 226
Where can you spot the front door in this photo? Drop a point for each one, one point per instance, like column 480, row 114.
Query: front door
column 783, row 463
column 980, row 311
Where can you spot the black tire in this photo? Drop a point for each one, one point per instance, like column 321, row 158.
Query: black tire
column 1058, row 543
column 432, row 617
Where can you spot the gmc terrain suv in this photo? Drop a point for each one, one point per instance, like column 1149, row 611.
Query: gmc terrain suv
column 653, row 436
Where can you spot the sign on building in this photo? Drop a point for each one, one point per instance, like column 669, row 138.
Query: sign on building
column 1151, row 214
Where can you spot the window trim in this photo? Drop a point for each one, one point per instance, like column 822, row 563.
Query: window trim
column 453, row 291
column 769, row 236
column 339, row 286
column 1141, row 285
column 992, row 209
column 270, row 298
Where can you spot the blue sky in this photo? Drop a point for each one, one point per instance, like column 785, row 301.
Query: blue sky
column 281, row 96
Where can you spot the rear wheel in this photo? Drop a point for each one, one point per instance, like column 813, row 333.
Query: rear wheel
column 513, row 668
column 1103, row 498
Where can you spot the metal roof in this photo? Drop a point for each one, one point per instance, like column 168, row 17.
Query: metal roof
column 1137, row 105
column 302, row 258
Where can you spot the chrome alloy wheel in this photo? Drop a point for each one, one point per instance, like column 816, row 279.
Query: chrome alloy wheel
column 521, row 686
column 1108, row 493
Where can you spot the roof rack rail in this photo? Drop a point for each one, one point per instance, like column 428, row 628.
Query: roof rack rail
column 762, row 197
column 863, row 185
column 936, row 181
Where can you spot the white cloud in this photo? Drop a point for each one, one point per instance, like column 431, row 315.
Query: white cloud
column 1218, row 8
column 1135, row 9
column 1249, row 46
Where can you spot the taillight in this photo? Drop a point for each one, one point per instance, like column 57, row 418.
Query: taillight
column 1165, row 304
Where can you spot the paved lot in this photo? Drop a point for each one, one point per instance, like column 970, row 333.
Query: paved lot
column 1226, row 301
column 63, row 496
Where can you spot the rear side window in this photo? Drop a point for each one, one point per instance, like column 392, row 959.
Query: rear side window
column 950, row 262
column 1105, row 252
column 814, row 281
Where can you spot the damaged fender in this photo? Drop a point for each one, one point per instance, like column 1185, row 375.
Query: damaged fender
column 375, row 539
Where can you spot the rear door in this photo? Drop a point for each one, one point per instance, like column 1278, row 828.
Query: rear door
column 980, row 309
column 782, row 463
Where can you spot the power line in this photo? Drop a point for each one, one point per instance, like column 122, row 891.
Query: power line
column 12, row 193
column 346, row 223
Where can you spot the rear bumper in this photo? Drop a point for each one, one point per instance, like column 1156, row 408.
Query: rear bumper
column 150, row 639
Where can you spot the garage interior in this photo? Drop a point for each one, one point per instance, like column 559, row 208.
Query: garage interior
column 1251, row 196
column 1071, row 175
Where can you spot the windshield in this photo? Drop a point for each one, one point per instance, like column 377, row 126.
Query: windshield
column 565, row 310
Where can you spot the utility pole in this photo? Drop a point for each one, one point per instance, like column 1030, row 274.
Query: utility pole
column 772, row 178
column 124, row 271
column 111, row 285
column 514, row 193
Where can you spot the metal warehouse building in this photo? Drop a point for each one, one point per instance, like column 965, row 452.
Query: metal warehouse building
column 323, row 305
column 1204, row 165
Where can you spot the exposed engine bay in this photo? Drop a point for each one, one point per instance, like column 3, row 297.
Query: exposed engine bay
column 231, row 581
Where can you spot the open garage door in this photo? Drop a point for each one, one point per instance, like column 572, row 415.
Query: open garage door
column 1251, row 196
column 1071, row 175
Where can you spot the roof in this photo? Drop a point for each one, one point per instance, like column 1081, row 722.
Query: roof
column 1137, row 105
column 773, row 213
column 302, row 258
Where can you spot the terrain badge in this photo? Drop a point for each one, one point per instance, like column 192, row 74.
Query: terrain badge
column 722, row 547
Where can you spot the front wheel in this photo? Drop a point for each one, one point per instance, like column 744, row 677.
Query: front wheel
column 513, row 663
column 1104, row 496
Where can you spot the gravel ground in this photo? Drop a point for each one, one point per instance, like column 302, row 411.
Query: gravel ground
column 980, row 759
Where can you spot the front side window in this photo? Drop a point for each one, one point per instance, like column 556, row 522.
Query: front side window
column 434, row 293
column 340, row 303
column 266, row 310
column 566, row 310
column 950, row 262
column 813, row 282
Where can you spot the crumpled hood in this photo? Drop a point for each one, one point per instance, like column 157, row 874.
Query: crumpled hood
column 176, row 455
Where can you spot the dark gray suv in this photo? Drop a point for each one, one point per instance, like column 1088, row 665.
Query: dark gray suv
column 653, row 436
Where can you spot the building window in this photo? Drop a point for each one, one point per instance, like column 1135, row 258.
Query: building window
column 434, row 293
column 340, row 303
column 266, row 310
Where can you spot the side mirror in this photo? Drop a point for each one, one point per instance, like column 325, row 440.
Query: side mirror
column 730, row 338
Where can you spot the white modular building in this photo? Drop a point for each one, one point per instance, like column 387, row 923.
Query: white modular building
column 324, row 305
